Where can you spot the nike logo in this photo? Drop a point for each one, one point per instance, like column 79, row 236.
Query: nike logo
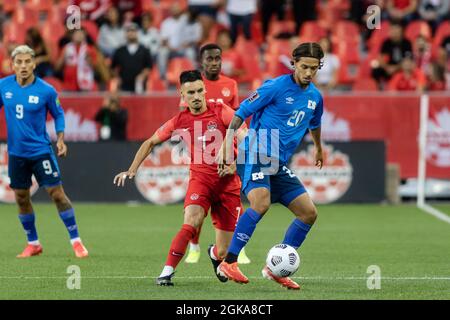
column 177, row 254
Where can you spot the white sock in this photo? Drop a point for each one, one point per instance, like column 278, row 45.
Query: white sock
column 167, row 271
column 72, row 241
column 34, row 243
column 194, row 246
column 212, row 254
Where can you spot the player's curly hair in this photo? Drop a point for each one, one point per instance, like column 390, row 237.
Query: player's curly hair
column 308, row 50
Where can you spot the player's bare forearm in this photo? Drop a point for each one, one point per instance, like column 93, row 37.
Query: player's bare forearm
column 60, row 145
column 60, row 136
column 145, row 149
column 315, row 134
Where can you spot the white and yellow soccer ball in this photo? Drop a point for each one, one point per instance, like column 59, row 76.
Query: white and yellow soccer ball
column 283, row 260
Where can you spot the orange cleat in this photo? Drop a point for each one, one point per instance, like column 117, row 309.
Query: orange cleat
column 80, row 250
column 31, row 250
column 232, row 272
column 285, row 282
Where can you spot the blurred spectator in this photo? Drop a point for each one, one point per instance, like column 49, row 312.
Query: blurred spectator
column 92, row 10
column 327, row 76
column 129, row 10
column 434, row 11
column 422, row 54
column 268, row 9
column 5, row 60
column 34, row 40
column 207, row 13
column 191, row 35
column 241, row 14
column 436, row 78
column 393, row 50
column 401, row 11
column 77, row 61
column 443, row 59
column 112, row 119
column 111, row 35
column 304, row 10
column 285, row 57
column 149, row 35
column 171, row 37
column 409, row 78
column 232, row 64
column 132, row 62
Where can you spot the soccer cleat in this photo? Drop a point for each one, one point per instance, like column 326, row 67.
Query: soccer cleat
column 285, row 282
column 193, row 256
column 30, row 250
column 165, row 281
column 232, row 272
column 216, row 264
column 242, row 257
column 80, row 250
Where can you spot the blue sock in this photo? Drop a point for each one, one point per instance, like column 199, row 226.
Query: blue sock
column 68, row 217
column 296, row 233
column 27, row 221
column 244, row 230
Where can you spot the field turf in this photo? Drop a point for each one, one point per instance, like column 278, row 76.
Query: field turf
column 128, row 246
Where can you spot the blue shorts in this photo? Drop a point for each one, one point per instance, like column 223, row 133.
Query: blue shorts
column 44, row 167
column 283, row 184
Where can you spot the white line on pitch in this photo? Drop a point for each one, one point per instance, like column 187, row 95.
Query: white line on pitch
column 434, row 278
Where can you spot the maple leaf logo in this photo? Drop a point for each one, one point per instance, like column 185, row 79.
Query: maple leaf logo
column 77, row 129
column 438, row 139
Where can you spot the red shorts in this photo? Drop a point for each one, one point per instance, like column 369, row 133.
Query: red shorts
column 222, row 195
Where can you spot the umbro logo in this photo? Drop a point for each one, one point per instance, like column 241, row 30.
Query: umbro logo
column 8, row 95
column 289, row 100
column 33, row 99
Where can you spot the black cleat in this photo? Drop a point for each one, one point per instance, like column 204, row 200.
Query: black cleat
column 165, row 281
column 216, row 264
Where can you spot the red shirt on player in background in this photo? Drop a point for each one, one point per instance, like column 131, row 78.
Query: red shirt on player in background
column 203, row 127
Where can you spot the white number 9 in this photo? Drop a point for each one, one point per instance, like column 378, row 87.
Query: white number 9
column 47, row 166
column 19, row 111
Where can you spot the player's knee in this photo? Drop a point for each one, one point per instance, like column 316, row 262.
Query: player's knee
column 311, row 215
column 194, row 218
column 23, row 200
column 261, row 206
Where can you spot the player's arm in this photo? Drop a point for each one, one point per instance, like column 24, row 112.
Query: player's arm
column 57, row 112
column 161, row 135
column 315, row 131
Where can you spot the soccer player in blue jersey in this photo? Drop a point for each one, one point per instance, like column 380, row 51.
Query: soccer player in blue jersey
column 283, row 109
column 27, row 99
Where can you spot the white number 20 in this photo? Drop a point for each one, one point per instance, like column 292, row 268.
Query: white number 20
column 19, row 111
column 47, row 166
column 296, row 118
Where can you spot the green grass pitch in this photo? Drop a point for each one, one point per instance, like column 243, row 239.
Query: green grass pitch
column 128, row 246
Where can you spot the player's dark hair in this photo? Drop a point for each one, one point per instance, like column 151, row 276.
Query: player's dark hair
column 308, row 50
column 190, row 76
column 209, row 46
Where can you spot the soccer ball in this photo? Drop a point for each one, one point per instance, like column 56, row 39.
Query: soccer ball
column 283, row 260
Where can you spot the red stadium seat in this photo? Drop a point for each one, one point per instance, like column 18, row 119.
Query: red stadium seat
column 55, row 82
column 13, row 32
column 154, row 82
column 442, row 32
column 40, row 5
column 346, row 29
column 378, row 36
column 312, row 31
column 10, row 5
column 175, row 67
column 91, row 29
column 365, row 84
column 256, row 32
column 416, row 28
column 277, row 27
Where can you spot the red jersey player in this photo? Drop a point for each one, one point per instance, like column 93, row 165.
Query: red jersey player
column 203, row 127
column 219, row 88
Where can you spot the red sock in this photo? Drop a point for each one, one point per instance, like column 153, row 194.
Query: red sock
column 179, row 245
column 197, row 235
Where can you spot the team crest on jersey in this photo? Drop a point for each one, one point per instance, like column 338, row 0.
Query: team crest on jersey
column 311, row 104
column 195, row 196
column 8, row 95
column 33, row 99
column 6, row 193
column 253, row 96
column 212, row 125
column 329, row 183
column 163, row 177
column 226, row 92
column 438, row 139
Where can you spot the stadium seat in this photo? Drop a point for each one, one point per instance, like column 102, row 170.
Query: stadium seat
column 154, row 82
column 175, row 67
column 55, row 82
column 256, row 32
column 91, row 29
column 365, row 84
column 13, row 32
column 25, row 16
column 40, row 5
column 442, row 32
column 346, row 29
column 416, row 28
column 276, row 27
column 312, row 31
column 10, row 5
column 377, row 37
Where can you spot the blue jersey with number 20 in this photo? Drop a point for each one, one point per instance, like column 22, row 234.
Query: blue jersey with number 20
column 282, row 104
column 26, row 111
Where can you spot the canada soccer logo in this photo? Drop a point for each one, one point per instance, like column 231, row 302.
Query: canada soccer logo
column 329, row 183
column 212, row 125
column 226, row 92
column 438, row 139
column 163, row 177
column 6, row 193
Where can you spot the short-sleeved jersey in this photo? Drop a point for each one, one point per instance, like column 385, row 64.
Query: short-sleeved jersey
column 222, row 90
column 26, row 111
column 286, row 111
column 203, row 134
